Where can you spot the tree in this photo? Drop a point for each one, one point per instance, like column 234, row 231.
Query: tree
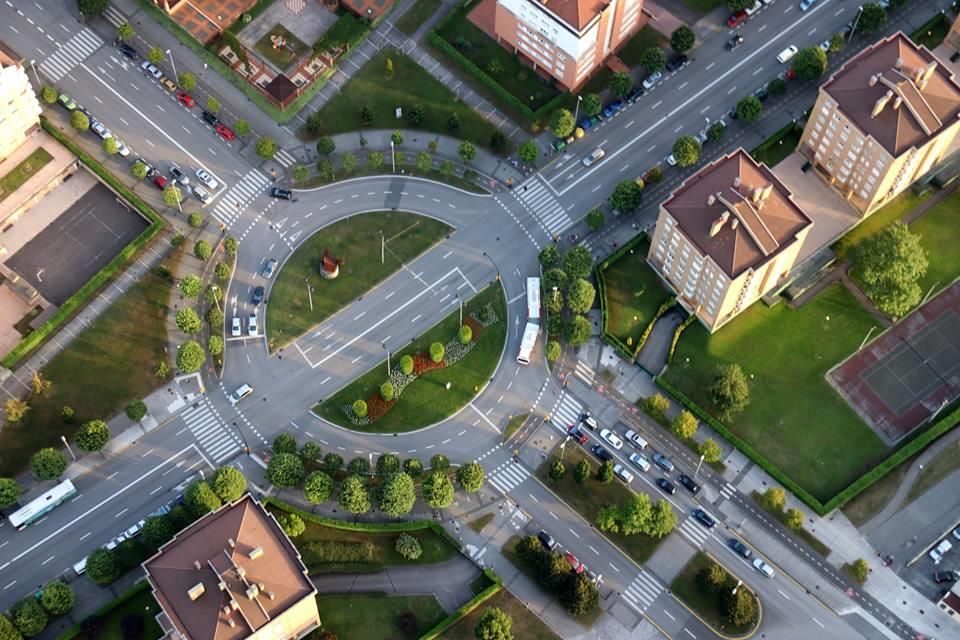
column 465, row 334
column 436, row 351
column 57, row 598
column 620, row 84
column 317, row 487
column 188, row 321
column 453, row 122
column 396, row 137
column 580, row 296
column 292, row 524
column 242, row 127
column 774, row 499
column 190, row 287
column 215, row 346
column 656, row 407
column 777, row 87
column 311, row 453
column 222, row 271
column 406, row 365
column 890, row 264
column 494, row 624
column 195, row 220
column 155, row 55
column 416, row 115
column 626, row 196
column 554, row 571
column 325, row 169
column 710, row 450
column 228, row 483
column 266, row 148
column 467, row 151
column 29, row 617
column 740, row 607
column 837, row 42
column 663, row 520
column 686, row 151
column 360, row 409
column 498, row 142
column 447, row 168
column 794, row 518
column 549, row 256
column 552, row 351
column 214, row 318
column 190, row 356
column 739, row 5
column 92, row 7
column 397, row 495
column 284, row 443
column 332, row 462
column 188, row 81
column 374, row 160
column 48, row 464
column 730, row 391
column 48, row 94
column 591, row 105
column 230, row 246
column 172, row 196
column 605, row 472
column 439, row 462
column 872, row 17
column 685, row 425
column 300, row 173
column 423, row 162
column 354, row 497
column 213, row 105
column 578, row 331
column 557, row 470
column 9, row 492
column 582, row 471
column 562, row 124
column 413, row 467
column 285, row 470
column 578, row 262
column 437, row 490
column 387, row 463
column 580, row 596
column 594, row 219
column 102, row 567
column 326, row 145
column 359, row 466
column 528, row 151
column 553, row 301
column 859, row 570
column 653, row 60
column 470, row 475
column 79, row 121
column 200, row 499
column 682, row 39
column 14, row 409
column 156, row 532
column 810, row 63
column 39, row 383
column 138, row 170
column 93, row 436
column 749, row 108
column 7, row 630
column 202, row 250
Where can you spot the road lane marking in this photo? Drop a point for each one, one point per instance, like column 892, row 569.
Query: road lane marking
column 783, row 594
column 689, row 633
column 614, row 567
column 48, row 560
column 592, row 549
column 554, row 515
column 818, row 622
column 112, row 475
column 86, row 535
column 573, row 532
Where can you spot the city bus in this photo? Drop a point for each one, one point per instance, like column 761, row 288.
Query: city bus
column 532, row 329
column 42, row 505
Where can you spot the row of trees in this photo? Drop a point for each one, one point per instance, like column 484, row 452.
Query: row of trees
column 567, row 292
column 685, row 426
column 577, row 594
column 30, row 616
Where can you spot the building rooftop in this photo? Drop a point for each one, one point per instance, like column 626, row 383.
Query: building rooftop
column 576, row 13
column 896, row 92
column 228, row 574
column 9, row 57
column 737, row 212
column 952, row 598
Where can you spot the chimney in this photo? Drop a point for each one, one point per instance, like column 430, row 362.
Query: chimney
column 255, row 553
column 873, row 80
column 756, row 195
column 711, row 199
column 718, row 223
column 253, row 591
column 234, row 605
column 226, row 610
column 917, row 74
column 928, row 72
column 736, row 182
column 897, row 102
column 734, row 223
column 241, row 572
column 271, row 595
column 231, row 623
column 222, row 585
column 881, row 103
column 898, row 64
column 197, row 565
column 196, row 591
column 232, row 543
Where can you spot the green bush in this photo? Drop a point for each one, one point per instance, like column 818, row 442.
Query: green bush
column 386, row 391
column 315, row 553
column 436, row 351
column 408, row 546
column 465, row 334
column 29, row 617
column 360, row 408
column 406, row 365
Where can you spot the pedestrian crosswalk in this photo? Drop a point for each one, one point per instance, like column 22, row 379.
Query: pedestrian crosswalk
column 114, row 16
column 283, row 158
column 584, row 372
column 211, row 433
column 642, row 591
column 233, row 203
column 727, row 490
column 540, row 202
column 566, row 412
column 694, row 532
column 508, row 476
column 70, row 54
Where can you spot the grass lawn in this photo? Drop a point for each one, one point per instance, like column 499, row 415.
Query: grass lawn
column 896, row 209
column 526, row 624
column 357, row 241
column 942, row 465
column 706, row 604
column 633, row 294
column 937, row 229
column 587, row 499
column 703, row 6
column 787, row 140
column 646, row 38
column 479, row 523
column 874, row 498
column 281, row 57
column 425, row 401
column 142, row 604
column 12, row 181
column 361, row 617
column 795, row 418
column 104, row 368
column 515, row 423
column 933, row 32
column 417, row 15
column 453, row 180
column 409, row 84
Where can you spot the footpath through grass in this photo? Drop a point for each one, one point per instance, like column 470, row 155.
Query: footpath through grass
column 104, row 368
column 426, row 400
column 794, row 418
column 634, row 294
column 707, row 605
column 363, row 617
column 13, row 180
column 356, row 240
column 587, row 499
column 526, row 624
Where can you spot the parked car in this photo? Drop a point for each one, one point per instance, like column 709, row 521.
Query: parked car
column 651, row 80
column 671, row 160
column 186, row 99
column 225, row 132
column 936, row 554
column 252, row 324
column 151, row 171
column 702, row 137
column 704, row 518
column 594, row 156
column 151, row 70
column 688, row 483
column 282, row 194
column 202, row 194
column 269, row 268
column 678, row 61
column 623, row 473
column 168, row 84
column 160, row 181
column 179, row 175
column 612, row 109
column 127, row 50
column 575, row 564
column 956, row 533
column 763, row 567
column 806, row 4
column 737, row 19
column 825, row 46
column 547, row 540
column 741, row 549
column 635, row 439
column 761, row 93
column 66, row 102
column 640, row 462
column 785, row 56
column 135, row 529
column 122, row 149
column 589, row 420
column 666, row 486
column 635, row 93
column 207, row 179
column 945, row 576
column 98, row 128
column 574, row 432
column 663, row 462
column 257, row 295
column 734, row 42
column 753, row 9
column 601, row 453
column 236, row 330
column 240, row 393
column 210, row 118
column 612, row 439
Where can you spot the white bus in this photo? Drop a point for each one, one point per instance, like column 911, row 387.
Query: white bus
column 528, row 342
column 39, row 507
column 533, row 300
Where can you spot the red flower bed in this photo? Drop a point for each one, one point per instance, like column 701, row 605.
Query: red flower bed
column 377, row 406
column 423, row 363
column 475, row 327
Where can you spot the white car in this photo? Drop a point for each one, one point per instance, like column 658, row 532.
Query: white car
column 612, row 439
column 236, row 329
column 763, row 567
column 122, row 149
column 635, row 439
column 671, row 160
column 806, row 4
column 152, row 70
column 593, row 157
column 270, row 267
column 207, row 179
column 240, row 393
column 825, row 46
column 956, row 533
column 752, row 10
column 202, row 194
column 784, row 56
column 621, row 472
column 252, row 324
column 135, row 529
column 936, row 554
column 98, row 128
column 651, row 80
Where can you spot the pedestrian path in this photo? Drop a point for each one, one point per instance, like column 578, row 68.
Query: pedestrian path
column 114, row 17
column 543, row 206
column 727, row 490
column 232, row 204
column 283, row 158
column 70, row 54
column 694, row 532
column 642, row 591
column 566, row 412
column 584, row 372
column 208, row 428
column 508, row 476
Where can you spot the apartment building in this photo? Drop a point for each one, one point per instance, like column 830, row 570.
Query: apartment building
column 233, row 575
column 19, row 107
column 566, row 39
column 727, row 236
column 882, row 121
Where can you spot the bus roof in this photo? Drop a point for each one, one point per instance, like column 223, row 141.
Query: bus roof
column 42, row 504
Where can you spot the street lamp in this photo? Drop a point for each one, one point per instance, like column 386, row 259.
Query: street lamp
column 383, row 247
column 175, row 77
column 388, row 357
column 35, row 74
column 563, row 446
column 461, row 309
column 393, row 162
column 698, row 466
column 739, row 582
column 576, row 111
column 485, row 255
column 67, row 445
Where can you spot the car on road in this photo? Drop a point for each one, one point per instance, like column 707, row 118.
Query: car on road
column 210, row 118
column 160, row 182
column 269, row 268
column 99, row 129
column 282, row 194
column 252, row 324
column 945, row 576
column 207, row 179
column 135, row 529
column 702, row 137
column 663, row 462
column 651, row 80
column 688, row 483
column 734, row 42
column 739, row 548
column 168, row 84
column 671, row 160
column 225, row 132
column 623, row 473
column 122, row 149
column 179, row 175
column 737, row 19
column 666, row 486
column 575, row 564
column 956, row 533
column 151, row 171
column 806, row 4
column 602, row 454
column 753, row 9
column 612, row 109
column 640, row 462
column 240, row 393
column 763, row 567
column 677, row 62
column 594, row 156
column 127, row 50
column 152, row 70
column 704, row 518
column 785, row 56
column 761, row 93
column 66, row 102
column 589, row 421
column 635, row 93
column 201, row 194
column 635, row 439
column 113, row 544
column 574, row 432
column 586, row 123
column 236, row 330
column 257, row 295
column 186, row 99
column 612, row 439
column 547, row 540
column 825, row 46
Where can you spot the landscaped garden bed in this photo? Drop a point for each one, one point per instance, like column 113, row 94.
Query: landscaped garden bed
column 12, row 180
column 377, row 615
column 526, row 624
column 714, row 600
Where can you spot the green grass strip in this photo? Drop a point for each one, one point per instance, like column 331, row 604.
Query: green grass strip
column 465, row 610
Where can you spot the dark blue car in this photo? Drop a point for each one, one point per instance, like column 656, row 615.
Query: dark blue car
column 257, row 295
column 612, row 108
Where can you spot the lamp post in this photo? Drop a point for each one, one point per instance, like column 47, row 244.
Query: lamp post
column 383, row 247
column 461, row 310
column 487, row 256
column 698, row 466
column 35, row 74
column 393, row 162
column 388, row 357
column 67, row 445
column 563, row 446
column 576, row 110
column 739, row 582
column 175, row 76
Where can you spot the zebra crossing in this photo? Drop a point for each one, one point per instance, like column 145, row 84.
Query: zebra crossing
column 70, row 54
column 727, row 490
column 584, row 372
column 537, row 199
column 508, row 476
column 212, row 435
column 114, row 17
column 694, row 532
column 283, row 158
column 233, row 203
column 642, row 591
column 566, row 412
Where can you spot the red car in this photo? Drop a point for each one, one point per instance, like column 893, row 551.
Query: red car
column 575, row 564
column 159, row 181
column 186, row 99
column 574, row 432
column 225, row 132
column 737, row 19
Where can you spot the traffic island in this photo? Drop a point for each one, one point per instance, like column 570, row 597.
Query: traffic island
column 718, row 598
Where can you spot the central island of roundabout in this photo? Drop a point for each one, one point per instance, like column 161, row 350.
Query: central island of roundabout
column 434, row 375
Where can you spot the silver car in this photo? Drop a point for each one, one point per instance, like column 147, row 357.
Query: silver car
column 270, row 267
column 207, row 179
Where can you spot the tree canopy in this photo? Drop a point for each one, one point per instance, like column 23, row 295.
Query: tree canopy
column 810, row 63
column 470, row 476
column 397, row 495
column 494, row 624
column 686, row 151
column 729, row 390
column 285, row 470
column 889, row 265
column 562, row 124
column 437, row 490
column 93, row 435
column 626, row 196
column 682, row 39
column 354, row 496
column 228, row 483
column 749, row 108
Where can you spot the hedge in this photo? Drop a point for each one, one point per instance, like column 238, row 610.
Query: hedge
column 141, row 586
column 668, row 304
column 254, row 11
column 336, row 552
column 74, row 302
column 774, row 139
column 939, row 428
column 676, row 335
column 347, row 30
column 466, row 609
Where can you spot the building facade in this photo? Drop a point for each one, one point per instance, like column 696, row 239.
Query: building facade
column 727, row 236
column 19, row 107
column 883, row 120
column 566, row 39
column 233, row 575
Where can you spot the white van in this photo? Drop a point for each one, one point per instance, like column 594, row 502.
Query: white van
column 241, row 392
column 785, row 56
column 80, row 567
column 763, row 567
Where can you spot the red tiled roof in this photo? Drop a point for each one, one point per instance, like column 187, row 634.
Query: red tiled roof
column 576, row 13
